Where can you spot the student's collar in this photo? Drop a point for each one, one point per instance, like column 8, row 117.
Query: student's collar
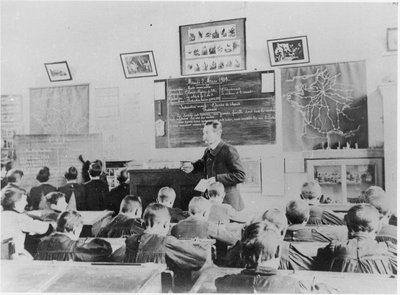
column 216, row 147
column 71, row 181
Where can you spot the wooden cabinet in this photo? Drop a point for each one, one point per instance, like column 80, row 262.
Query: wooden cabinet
column 147, row 182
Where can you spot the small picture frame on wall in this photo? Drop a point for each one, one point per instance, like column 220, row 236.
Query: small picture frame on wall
column 138, row 64
column 58, row 71
column 391, row 38
column 288, row 51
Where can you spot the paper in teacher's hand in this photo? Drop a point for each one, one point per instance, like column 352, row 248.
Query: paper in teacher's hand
column 203, row 184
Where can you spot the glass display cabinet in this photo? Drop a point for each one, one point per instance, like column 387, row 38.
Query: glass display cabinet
column 345, row 180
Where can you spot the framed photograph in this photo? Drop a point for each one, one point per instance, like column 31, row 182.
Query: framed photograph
column 211, row 47
column 391, row 37
column 138, row 64
column 58, row 71
column 288, row 51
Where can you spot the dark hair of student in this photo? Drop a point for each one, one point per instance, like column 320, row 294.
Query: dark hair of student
column 71, row 174
column 130, row 203
column 12, row 175
column 10, row 197
column 94, row 169
column 68, row 221
column 122, row 176
column 362, row 218
column 297, row 211
column 215, row 124
column 155, row 213
column 260, row 242
column 43, row 174
column 53, row 197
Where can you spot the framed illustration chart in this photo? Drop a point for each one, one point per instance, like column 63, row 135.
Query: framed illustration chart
column 211, row 47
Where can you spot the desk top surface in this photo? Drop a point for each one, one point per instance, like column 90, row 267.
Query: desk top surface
column 343, row 282
column 59, row 276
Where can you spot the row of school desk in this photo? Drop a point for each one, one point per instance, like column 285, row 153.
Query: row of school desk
column 343, row 282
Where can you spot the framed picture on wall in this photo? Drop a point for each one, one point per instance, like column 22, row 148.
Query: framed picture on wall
column 138, row 64
column 391, row 39
column 211, row 47
column 58, row 71
column 288, row 51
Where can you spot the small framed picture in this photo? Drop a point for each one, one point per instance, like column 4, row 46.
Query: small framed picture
column 58, row 71
column 288, row 51
column 391, row 36
column 138, row 64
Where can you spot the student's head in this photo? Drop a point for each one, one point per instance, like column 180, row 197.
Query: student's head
column 376, row 196
column 166, row 196
column 71, row 173
column 157, row 219
column 212, row 132
column 70, row 222
column 199, row 207
column 123, row 176
column 15, row 176
column 297, row 212
column 14, row 199
column 131, row 205
column 94, row 170
column 277, row 218
column 99, row 162
column 261, row 245
column 43, row 174
column 311, row 192
column 362, row 218
column 216, row 192
column 56, row 201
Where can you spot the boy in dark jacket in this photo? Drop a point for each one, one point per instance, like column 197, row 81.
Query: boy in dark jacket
column 96, row 190
column 166, row 196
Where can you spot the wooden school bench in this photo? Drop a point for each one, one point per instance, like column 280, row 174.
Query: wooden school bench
column 344, row 282
column 82, row 277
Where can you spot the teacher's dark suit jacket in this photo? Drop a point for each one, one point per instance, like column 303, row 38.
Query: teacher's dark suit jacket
column 224, row 164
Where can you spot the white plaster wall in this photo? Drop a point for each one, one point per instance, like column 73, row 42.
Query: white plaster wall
column 91, row 35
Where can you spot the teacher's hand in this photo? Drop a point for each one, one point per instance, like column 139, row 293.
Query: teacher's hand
column 187, row 167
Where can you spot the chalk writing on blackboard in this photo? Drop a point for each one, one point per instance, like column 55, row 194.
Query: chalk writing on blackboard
column 247, row 114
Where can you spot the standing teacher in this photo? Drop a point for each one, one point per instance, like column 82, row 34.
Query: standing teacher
column 220, row 160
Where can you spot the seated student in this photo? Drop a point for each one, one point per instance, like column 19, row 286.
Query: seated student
column 64, row 244
column 119, row 192
column 153, row 245
column 73, row 189
column 291, row 256
column 361, row 252
column 55, row 204
column 15, row 224
column 298, row 213
column 128, row 222
column 166, row 196
column 197, row 226
column 14, row 178
column 376, row 196
column 311, row 193
column 222, row 213
column 261, row 250
column 36, row 198
column 96, row 191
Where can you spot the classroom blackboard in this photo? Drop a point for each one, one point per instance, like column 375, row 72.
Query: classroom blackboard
column 244, row 103
column 58, row 152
